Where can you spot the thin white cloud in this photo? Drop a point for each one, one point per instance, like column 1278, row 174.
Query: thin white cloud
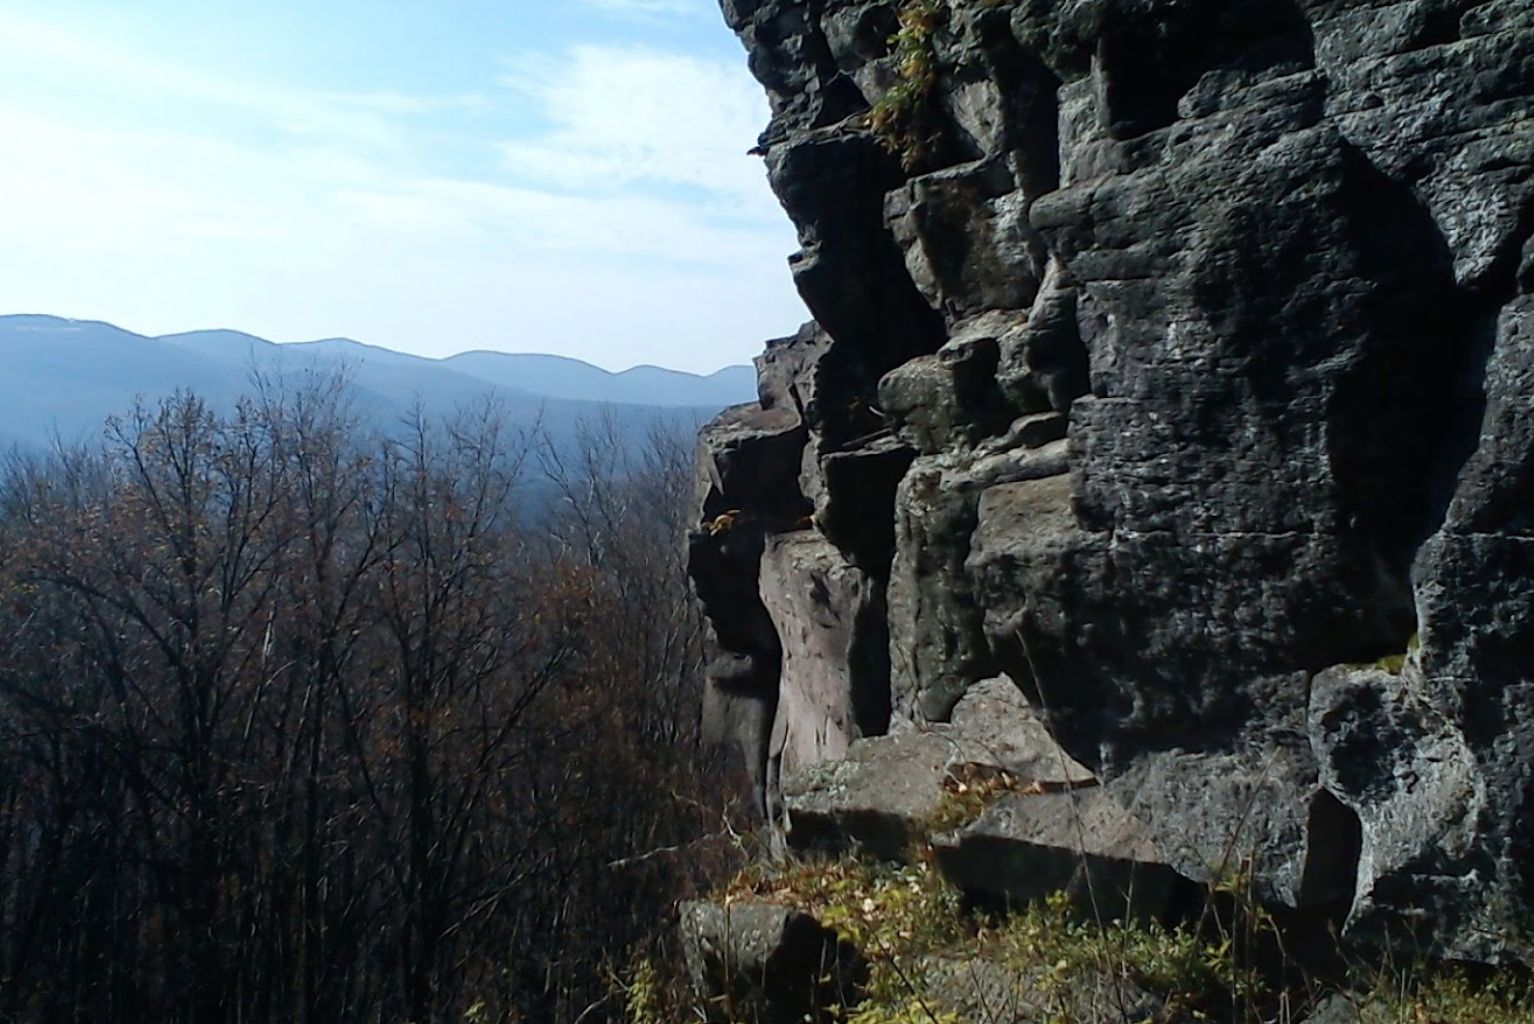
column 633, row 226
column 69, row 58
column 634, row 116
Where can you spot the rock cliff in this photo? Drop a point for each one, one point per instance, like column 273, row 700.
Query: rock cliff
column 1173, row 360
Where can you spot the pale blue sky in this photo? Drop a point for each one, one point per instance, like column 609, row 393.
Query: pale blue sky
column 431, row 175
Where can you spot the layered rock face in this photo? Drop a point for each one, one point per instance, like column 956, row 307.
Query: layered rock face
column 1177, row 362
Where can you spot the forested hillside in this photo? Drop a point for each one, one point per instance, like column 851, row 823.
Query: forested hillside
column 300, row 723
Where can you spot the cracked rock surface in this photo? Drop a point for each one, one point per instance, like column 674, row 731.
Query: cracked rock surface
column 1182, row 374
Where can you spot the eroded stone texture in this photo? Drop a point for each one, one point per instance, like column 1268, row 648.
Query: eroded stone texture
column 938, row 645
column 1185, row 363
column 1403, row 770
column 967, row 241
column 999, row 728
column 834, row 683
column 877, row 799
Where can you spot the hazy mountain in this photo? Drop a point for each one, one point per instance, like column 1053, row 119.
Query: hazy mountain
column 561, row 377
column 546, row 375
column 64, row 377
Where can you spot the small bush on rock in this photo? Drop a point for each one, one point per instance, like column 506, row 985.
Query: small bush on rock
column 903, row 119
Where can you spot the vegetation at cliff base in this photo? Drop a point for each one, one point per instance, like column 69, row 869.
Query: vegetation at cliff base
column 927, row 950
column 935, row 959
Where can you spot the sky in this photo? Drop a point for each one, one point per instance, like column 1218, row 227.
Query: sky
column 433, row 176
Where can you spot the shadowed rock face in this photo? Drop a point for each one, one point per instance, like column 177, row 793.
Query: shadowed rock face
column 1185, row 369
column 767, row 964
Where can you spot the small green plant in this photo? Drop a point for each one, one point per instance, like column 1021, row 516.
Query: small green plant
column 913, row 1011
column 903, row 119
column 1428, row 996
column 1395, row 664
column 905, row 917
column 1065, row 954
column 643, row 996
column 905, row 908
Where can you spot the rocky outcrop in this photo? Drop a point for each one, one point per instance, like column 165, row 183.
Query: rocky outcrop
column 888, row 793
column 762, row 963
column 1174, row 361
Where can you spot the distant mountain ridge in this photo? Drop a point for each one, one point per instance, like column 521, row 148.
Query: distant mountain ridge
column 63, row 377
column 553, row 376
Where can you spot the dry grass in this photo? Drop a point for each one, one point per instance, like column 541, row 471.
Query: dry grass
column 1064, row 969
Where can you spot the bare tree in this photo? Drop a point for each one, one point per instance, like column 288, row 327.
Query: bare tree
column 305, row 723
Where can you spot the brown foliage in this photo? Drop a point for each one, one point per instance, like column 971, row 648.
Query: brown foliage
column 299, row 726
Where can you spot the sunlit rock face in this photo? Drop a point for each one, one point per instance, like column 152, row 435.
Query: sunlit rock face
column 1174, row 358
